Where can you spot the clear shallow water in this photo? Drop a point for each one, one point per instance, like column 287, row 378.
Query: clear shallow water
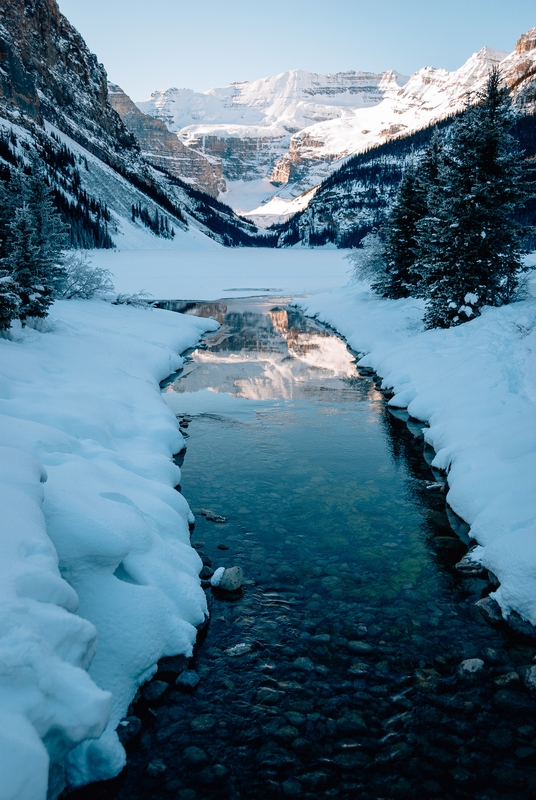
column 352, row 622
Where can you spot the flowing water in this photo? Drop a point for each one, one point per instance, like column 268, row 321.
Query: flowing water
column 335, row 671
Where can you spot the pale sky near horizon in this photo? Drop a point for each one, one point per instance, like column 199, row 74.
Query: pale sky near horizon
column 164, row 43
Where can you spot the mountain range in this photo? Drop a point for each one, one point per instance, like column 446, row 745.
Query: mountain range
column 280, row 136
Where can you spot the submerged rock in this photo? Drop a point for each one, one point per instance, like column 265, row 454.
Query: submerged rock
column 194, row 757
column 238, row 650
column 187, row 681
column 155, row 767
column 471, row 666
column 154, row 690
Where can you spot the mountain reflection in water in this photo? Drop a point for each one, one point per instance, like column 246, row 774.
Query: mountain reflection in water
column 262, row 352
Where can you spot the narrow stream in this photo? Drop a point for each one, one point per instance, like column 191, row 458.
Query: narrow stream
column 336, row 671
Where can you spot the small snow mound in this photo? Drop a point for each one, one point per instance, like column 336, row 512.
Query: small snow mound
column 218, row 575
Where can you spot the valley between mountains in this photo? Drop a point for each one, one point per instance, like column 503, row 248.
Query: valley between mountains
column 267, row 524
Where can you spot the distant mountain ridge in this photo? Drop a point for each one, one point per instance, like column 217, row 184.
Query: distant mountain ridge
column 295, row 129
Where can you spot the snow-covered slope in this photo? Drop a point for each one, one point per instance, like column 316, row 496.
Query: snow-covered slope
column 294, row 129
column 96, row 571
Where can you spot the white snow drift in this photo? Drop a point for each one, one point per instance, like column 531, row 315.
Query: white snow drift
column 97, row 572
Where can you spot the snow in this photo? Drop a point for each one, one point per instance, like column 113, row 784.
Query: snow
column 224, row 272
column 315, row 120
column 216, row 578
column 97, row 576
column 476, row 387
column 101, row 181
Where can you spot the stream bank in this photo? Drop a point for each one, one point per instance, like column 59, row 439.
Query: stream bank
column 354, row 662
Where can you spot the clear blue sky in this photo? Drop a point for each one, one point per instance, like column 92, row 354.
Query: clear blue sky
column 154, row 45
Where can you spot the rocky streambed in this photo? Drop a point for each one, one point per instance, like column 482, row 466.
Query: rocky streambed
column 354, row 660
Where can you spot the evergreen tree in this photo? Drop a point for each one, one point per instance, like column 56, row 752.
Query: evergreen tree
column 12, row 194
column 9, row 300
column 50, row 234
column 400, row 232
column 35, row 296
column 469, row 245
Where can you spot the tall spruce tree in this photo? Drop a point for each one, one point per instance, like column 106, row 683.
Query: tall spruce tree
column 50, row 233
column 34, row 295
column 9, row 300
column 469, row 245
column 400, row 234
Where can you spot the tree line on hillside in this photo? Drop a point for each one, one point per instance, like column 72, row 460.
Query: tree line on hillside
column 34, row 266
column 452, row 236
column 86, row 217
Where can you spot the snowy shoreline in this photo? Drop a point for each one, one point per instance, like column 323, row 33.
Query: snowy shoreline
column 475, row 386
column 99, row 580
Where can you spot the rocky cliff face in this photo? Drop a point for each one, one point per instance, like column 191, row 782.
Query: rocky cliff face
column 53, row 89
column 519, row 71
column 242, row 157
column 48, row 73
column 163, row 149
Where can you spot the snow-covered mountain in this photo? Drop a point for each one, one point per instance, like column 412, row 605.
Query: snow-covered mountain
column 280, row 136
column 252, row 126
column 54, row 100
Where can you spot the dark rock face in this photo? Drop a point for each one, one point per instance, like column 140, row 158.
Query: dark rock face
column 47, row 72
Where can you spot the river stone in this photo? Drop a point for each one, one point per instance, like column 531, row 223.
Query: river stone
column 206, row 559
column 469, row 567
column 493, row 579
column 238, row 650
column 471, row 666
column 360, row 647
column 267, row 697
column 287, row 734
column 206, row 573
column 514, row 703
column 304, row 663
column 351, row 759
column 529, row 679
column 351, row 723
column 202, row 723
column 194, row 757
column 176, row 664
column 292, row 788
column 324, row 638
column 128, row 728
column 155, row 768
column 154, row 690
column 187, row 681
column 231, row 580
column 522, row 626
column 491, row 611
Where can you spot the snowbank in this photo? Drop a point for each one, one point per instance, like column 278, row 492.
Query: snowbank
column 97, row 576
column 476, row 386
